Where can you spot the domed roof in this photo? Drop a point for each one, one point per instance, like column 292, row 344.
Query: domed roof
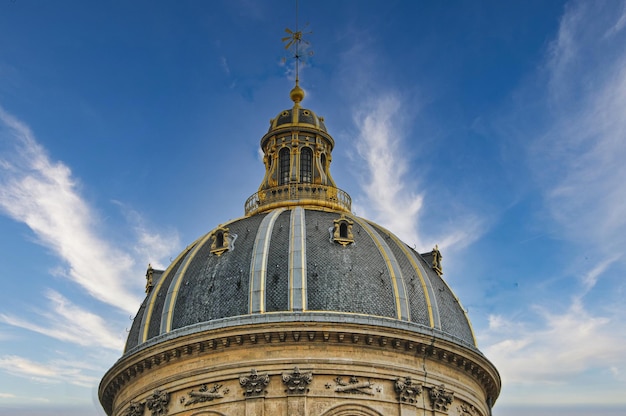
column 298, row 264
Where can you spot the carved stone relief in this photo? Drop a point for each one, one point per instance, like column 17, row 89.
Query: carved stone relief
column 467, row 410
column 134, row 409
column 254, row 384
column 297, row 382
column 353, row 386
column 205, row 394
column 158, row 402
column 407, row 390
column 440, row 398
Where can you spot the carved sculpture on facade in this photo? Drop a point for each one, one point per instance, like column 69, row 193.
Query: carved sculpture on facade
column 440, row 398
column 467, row 410
column 437, row 257
column 254, row 384
column 134, row 409
column 353, row 386
column 297, row 382
column 149, row 279
column 407, row 390
column 158, row 402
column 204, row 394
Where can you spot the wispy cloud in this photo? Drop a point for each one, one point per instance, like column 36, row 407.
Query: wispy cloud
column 44, row 195
column 52, row 372
column 579, row 157
column 151, row 245
column 67, row 322
column 379, row 144
column 565, row 344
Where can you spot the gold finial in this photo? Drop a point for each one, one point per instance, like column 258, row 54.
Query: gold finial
column 297, row 94
column 294, row 43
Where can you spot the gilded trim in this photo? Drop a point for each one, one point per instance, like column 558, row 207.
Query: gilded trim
column 147, row 316
column 399, row 290
column 426, row 286
column 297, row 261
column 172, row 291
column 464, row 313
column 258, row 264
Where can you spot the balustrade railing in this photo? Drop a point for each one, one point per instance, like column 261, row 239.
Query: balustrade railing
column 292, row 194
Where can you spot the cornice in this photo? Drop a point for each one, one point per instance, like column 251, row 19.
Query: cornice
column 466, row 360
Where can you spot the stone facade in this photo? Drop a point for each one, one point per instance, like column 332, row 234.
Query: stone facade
column 347, row 370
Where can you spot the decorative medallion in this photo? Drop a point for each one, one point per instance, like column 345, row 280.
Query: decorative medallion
column 342, row 231
column 407, row 390
column 354, row 386
column 297, row 381
column 204, row 394
column 440, row 398
column 134, row 409
column 157, row 403
column 254, row 384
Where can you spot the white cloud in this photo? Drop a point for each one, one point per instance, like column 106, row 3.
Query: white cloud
column 579, row 156
column 590, row 278
column 43, row 195
column 148, row 244
column 379, row 144
column 67, row 322
column 52, row 372
column 564, row 344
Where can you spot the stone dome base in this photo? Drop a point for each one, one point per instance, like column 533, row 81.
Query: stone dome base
column 304, row 369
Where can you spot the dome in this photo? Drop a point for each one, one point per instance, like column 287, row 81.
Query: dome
column 301, row 308
column 294, row 263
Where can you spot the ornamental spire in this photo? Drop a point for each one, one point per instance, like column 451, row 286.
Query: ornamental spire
column 296, row 44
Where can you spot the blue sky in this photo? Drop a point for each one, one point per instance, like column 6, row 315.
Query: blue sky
column 494, row 129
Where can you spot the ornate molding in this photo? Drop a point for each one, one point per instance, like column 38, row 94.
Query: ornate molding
column 440, row 398
column 158, row 402
column 297, row 382
column 254, row 384
column 223, row 241
column 407, row 390
column 126, row 371
column 342, row 231
column 353, row 386
column 204, row 394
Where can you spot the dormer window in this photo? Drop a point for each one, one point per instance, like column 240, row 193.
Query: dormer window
column 283, row 167
column 306, row 165
column 342, row 232
column 222, row 241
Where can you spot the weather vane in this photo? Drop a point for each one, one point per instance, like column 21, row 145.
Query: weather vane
column 296, row 44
